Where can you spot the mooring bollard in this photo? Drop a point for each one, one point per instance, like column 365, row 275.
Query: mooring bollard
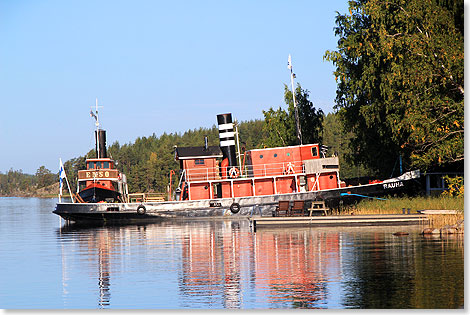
column 403, row 209
column 409, row 210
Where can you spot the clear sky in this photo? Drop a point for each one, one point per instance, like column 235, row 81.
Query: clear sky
column 155, row 66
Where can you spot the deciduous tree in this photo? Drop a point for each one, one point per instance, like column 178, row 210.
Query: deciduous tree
column 400, row 73
column 280, row 129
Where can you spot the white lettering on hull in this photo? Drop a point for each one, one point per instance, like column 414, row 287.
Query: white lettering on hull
column 393, row 185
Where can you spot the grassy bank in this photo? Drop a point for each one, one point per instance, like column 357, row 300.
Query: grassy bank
column 395, row 206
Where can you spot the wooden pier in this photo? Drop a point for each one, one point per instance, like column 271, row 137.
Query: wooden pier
column 340, row 220
column 430, row 212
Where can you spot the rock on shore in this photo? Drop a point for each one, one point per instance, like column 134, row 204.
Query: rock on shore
column 457, row 228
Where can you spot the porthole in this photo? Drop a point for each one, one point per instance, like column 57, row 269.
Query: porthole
column 288, row 153
column 275, row 154
column 261, row 156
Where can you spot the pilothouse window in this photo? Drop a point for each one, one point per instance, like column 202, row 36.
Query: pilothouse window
column 105, row 164
column 314, row 151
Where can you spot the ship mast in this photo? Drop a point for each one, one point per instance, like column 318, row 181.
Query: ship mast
column 97, row 124
column 296, row 111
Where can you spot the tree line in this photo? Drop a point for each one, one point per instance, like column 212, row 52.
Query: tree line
column 147, row 161
column 17, row 183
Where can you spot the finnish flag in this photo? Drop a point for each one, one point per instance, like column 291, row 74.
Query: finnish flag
column 61, row 176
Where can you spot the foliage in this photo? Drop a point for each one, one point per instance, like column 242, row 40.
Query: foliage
column 455, row 186
column 399, row 67
column 337, row 139
column 17, row 183
column 44, row 177
column 280, row 127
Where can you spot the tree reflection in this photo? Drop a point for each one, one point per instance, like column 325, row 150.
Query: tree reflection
column 225, row 264
column 411, row 272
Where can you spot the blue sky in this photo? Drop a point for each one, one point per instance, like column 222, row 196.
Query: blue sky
column 154, row 66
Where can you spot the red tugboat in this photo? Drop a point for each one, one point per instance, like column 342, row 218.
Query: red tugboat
column 263, row 172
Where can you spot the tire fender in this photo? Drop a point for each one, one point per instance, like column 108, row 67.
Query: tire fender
column 141, row 210
column 235, row 207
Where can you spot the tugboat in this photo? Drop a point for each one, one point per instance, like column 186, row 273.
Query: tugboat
column 215, row 182
column 101, row 181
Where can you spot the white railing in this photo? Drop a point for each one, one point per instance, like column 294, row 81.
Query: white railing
column 249, row 171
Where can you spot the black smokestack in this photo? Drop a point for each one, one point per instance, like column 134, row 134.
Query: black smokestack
column 100, row 139
column 227, row 138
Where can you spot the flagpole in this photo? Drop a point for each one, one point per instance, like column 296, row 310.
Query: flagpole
column 97, row 124
column 70, row 191
column 60, row 179
column 296, row 111
column 62, row 169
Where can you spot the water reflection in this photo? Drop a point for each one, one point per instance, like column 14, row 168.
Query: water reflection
column 224, row 264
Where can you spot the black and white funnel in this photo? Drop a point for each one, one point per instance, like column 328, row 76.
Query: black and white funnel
column 227, row 138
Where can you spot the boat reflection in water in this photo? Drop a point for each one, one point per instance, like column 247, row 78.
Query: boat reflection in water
column 224, row 264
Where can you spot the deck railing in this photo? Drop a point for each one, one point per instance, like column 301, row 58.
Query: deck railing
column 146, row 197
column 273, row 169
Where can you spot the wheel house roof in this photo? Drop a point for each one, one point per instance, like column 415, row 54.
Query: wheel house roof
column 190, row 153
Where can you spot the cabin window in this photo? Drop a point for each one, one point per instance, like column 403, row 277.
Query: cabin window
column 199, row 162
column 314, row 151
column 105, row 164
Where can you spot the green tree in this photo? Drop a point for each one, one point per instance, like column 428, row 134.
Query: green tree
column 16, row 183
column 280, row 129
column 399, row 67
column 337, row 139
column 44, row 177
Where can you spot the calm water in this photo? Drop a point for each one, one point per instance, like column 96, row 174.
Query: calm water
column 219, row 264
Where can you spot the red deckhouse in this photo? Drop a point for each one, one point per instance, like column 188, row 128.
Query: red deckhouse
column 213, row 172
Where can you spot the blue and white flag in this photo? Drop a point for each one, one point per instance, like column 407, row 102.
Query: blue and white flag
column 61, row 176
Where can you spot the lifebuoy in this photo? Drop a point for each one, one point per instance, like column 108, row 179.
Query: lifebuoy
column 235, row 207
column 141, row 209
column 290, row 168
column 233, row 172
